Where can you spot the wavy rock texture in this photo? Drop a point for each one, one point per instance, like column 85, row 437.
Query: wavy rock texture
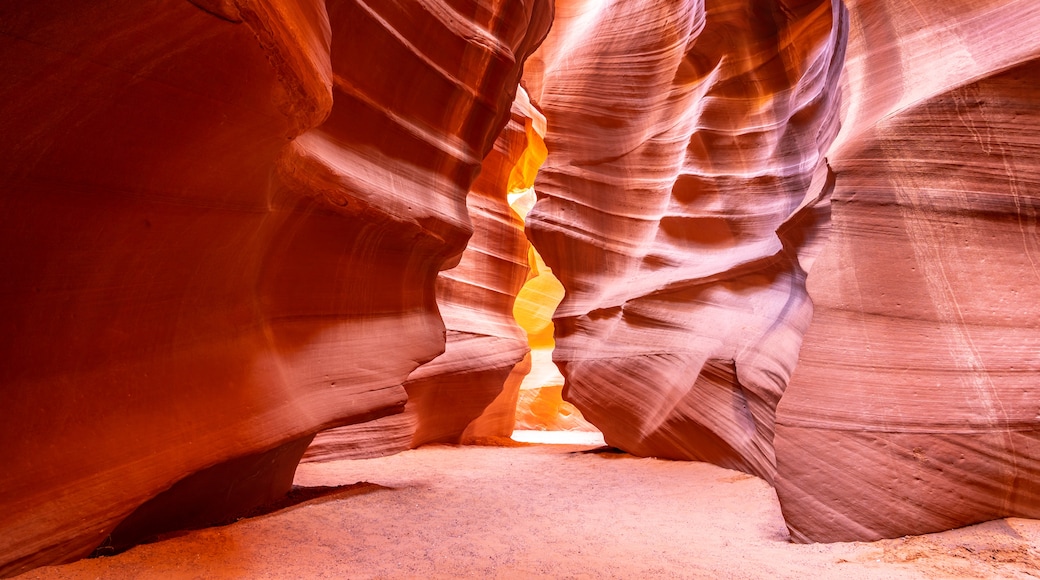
column 915, row 405
column 220, row 238
column 679, row 195
column 222, row 223
column 484, row 343
column 486, row 348
column 685, row 197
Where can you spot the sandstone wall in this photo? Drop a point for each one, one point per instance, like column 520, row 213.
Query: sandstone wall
column 221, row 231
column 695, row 154
column 484, row 345
column 914, row 406
column 798, row 238
column 686, row 146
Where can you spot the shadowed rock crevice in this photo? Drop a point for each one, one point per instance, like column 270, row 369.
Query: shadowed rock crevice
column 296, row 497
column 212, row 496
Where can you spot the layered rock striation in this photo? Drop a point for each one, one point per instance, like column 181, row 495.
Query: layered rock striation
column 797, row 239
column 485, row 348
column 221, row 230
column 915, row 405
column 686, row 146
column 694, row 158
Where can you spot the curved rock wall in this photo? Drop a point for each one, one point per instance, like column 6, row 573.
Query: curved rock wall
column 484, row 344
column 222, row 222
column 914, row 407
column 221, row 230
column 682, row 137
column 686, row 195
column 484, row 341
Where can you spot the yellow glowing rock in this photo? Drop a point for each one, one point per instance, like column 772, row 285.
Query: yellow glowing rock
column 521, row 178
column 543, row 409
column 536, row 303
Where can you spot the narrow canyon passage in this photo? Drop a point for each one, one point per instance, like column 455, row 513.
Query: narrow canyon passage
column 794, row 246
column 539, row 398
column 547, row 511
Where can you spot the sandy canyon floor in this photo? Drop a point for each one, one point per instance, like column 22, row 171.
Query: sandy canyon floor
column 546, row 511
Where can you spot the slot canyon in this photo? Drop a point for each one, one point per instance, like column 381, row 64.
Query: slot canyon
column 282, row 277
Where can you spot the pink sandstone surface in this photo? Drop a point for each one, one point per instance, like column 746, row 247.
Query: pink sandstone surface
column 682, row 138
column 694, row 156
column 915, row 405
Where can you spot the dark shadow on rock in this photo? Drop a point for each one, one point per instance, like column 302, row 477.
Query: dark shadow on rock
column 605, row 451
column 497, row 442
column 297, row 496
column 318, row 495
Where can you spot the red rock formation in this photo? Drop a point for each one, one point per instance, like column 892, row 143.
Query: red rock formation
column 915, row 407
column 220, row 234
column 484, row 343
column 683, row 136
column 222, row 223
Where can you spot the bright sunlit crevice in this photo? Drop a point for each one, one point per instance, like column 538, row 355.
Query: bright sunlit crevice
column 540, row 404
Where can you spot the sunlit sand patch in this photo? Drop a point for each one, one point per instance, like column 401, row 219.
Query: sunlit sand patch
column 560, row 437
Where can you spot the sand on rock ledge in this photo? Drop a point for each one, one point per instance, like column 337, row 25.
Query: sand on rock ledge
column 547, row 511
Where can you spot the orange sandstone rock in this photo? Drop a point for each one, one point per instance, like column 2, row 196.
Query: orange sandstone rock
column 222, row 223
column 484, row 344
column 221, row 231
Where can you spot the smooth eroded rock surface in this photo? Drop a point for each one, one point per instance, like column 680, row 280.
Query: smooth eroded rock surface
column 484, row 345
column 798, row 238
column 694, row 155
column 686, row 144
column 221, row 230
column 915, row 406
